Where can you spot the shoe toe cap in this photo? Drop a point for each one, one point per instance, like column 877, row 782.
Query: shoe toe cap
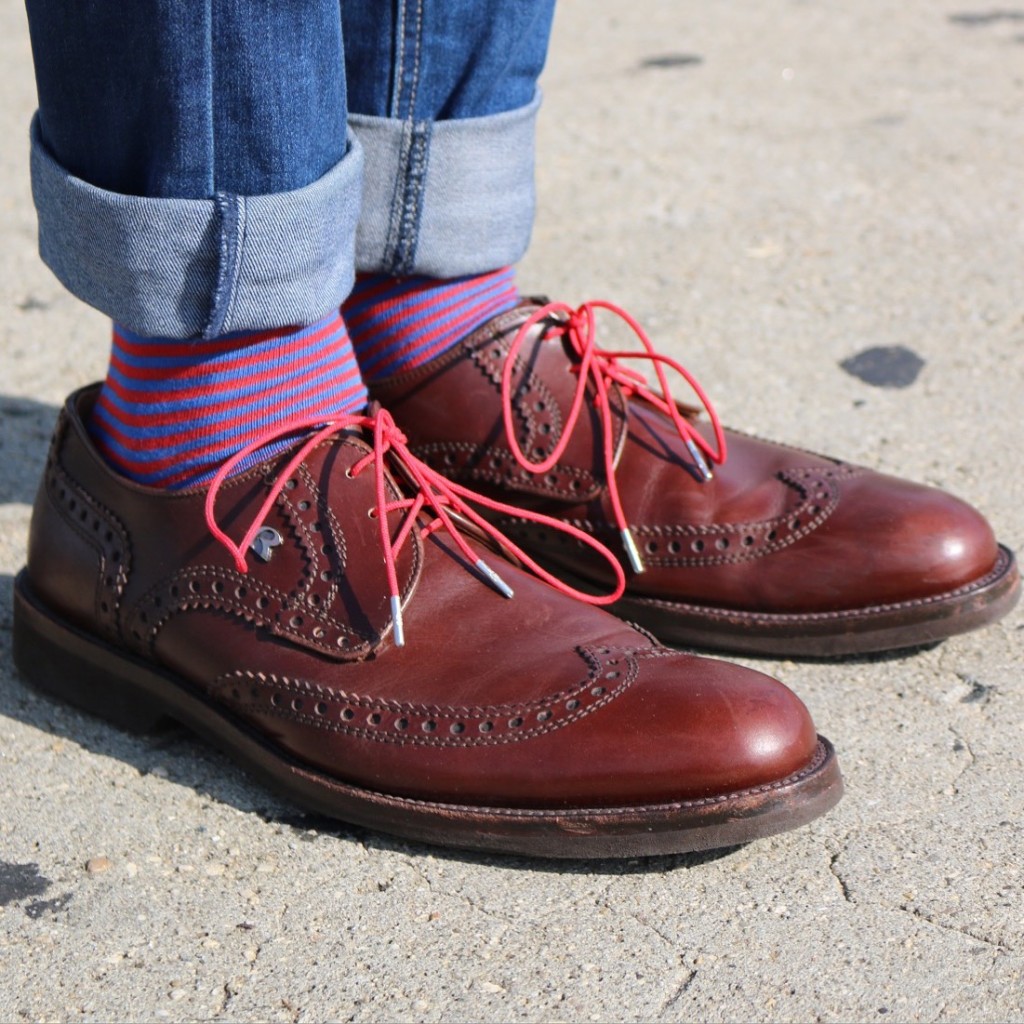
column 914, row 541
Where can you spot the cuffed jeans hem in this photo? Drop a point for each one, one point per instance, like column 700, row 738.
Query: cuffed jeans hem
column 446, row 198
column 180, row 268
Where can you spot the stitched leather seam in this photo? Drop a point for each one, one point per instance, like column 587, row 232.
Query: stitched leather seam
column 108, row 538
column 557, row 710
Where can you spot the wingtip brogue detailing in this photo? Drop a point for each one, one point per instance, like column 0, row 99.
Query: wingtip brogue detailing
column 540, row 416
column 611, row 673
column 102, row 531
column 307, row 620
column 687, row 545
column 496, row 466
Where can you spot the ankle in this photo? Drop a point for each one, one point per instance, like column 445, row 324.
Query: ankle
column 398, row 323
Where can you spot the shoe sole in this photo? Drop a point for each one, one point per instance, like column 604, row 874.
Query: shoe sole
column 885, row 627
column 65, row 663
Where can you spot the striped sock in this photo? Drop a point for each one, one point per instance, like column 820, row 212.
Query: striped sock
column 397, row 323
column 170, row 412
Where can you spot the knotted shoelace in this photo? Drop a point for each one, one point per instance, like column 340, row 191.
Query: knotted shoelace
column 424, row 489
column 601, row 369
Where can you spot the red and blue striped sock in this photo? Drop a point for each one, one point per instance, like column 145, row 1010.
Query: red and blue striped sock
column 170, row 412
column 397, row 323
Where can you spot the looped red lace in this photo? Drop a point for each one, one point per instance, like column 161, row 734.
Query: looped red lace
column 601, row 368
column 427, row 490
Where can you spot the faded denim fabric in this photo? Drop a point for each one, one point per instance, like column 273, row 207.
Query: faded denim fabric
column 446, row 198
column 444, row 99
column 181, row 268
column 194, row 172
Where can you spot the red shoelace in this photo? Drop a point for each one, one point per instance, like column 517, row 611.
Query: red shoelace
column 602, row 368
column 422, row 488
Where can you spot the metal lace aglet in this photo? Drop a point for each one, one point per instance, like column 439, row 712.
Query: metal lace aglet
column 396, row 616
column 699, row 461
column 494, row 579
column 631, row 550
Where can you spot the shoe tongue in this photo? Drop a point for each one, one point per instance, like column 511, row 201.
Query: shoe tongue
column 543, row 386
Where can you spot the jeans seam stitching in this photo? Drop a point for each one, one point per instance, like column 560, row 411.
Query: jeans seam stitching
column 230, row 217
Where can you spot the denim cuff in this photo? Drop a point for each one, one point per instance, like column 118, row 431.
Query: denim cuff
column 180, row 268
column 446, row 198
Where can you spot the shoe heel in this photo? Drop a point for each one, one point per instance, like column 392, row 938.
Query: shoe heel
column 68, row 666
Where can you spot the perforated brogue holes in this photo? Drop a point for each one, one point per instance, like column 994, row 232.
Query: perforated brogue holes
column 320, row 708
column 748, row 541
column 296, row 703
column 303, row 505
column 290, row 485
column 295, row 621
column 722, row 543
column 402, row 723
column 276, row 699
column 429, row 726
column 485, row 727
column 651, row 547
column 515, row 723
column 697, row 545
column 543, row 716
column 795, row 524
column 572, row 705
column 241, row 592
column 772, row 534
column 104, row 607
column 194, row 586
column 551, row 479
column 217, row 587
column 315, row 600
column 574, row 484
column 262, row 602
column 597, row 691
column 348, row 473
column 545, row 428
column 674, row 547
column 348, row 714
column 614, row 674
column 456, row 728
column 373, row 718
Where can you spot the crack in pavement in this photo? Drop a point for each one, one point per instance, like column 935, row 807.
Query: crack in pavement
column 966, row 933
column 680, row 991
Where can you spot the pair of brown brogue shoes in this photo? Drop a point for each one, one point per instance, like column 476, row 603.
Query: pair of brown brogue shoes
column 339, row 618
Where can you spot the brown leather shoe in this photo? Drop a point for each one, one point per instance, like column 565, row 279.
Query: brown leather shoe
column 538, row 725
column 779, row 552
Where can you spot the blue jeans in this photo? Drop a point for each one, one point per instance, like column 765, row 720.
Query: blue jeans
column 200, row 168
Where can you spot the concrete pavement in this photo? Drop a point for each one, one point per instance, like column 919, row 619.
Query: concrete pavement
column 773, row 189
